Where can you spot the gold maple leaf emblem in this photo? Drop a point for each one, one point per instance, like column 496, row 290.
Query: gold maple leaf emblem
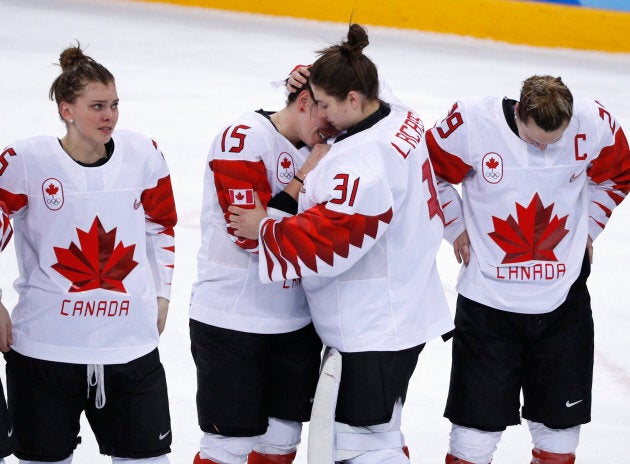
column 532, row 236
column 97, row 262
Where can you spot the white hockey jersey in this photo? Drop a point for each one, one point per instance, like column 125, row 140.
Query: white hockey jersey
column 365, row 241
column 248, row 156
column 95, row 248
column 528, row 212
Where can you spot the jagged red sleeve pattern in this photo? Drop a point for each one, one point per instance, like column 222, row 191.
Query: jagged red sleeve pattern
column 449, row 169
column 293, row 247
column 609, row 173
column 13, row 196
column 161, row 216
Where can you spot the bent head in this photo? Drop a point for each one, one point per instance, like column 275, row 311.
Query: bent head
column 544, row 110
column 312, row 126
column 345, row 81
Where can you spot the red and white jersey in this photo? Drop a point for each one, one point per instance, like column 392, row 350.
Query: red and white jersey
column 6, row 231
column 95, row 248
column 247, row 156
column 528, row 212
column 365, row 241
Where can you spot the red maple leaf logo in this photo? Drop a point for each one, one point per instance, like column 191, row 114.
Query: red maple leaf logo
column 97, row 263
column 492, row 164
column 533, row 237
column 51, row 189
column 239, row 196
column 285, row 163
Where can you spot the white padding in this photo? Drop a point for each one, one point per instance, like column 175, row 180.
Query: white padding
column 163, row 459
column 352, row 441
column 562, row 441
column 382, row 456
column 473, row 445
column 156, row 460
column 282, row 437
column 369, row 441
column 226, row 450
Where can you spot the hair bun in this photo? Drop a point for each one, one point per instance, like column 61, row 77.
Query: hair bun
column 357, row 38
column 71, row 56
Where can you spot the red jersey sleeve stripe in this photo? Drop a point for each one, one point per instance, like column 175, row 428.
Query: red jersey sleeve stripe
column 446, row 165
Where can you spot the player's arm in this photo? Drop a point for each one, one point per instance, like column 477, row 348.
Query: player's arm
column 5, row 320
column 236, row 173
column 609, row 172
column 328, row 238
column 13, row 201
column 13, row 194
column 158, row 203
column 447, row 144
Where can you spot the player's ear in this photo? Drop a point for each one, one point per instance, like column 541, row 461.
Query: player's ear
column 65, row 111
column 304, row 100
column 354, row 99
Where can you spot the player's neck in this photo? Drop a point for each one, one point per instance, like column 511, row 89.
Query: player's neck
column 83, row 152
column 281, row 120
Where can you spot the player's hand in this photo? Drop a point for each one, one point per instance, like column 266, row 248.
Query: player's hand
column 316, row 155
column 461, row 247
column 162, row 313
column 298, row 78
column 246, row 221
column 6, row 339
column 589, row 248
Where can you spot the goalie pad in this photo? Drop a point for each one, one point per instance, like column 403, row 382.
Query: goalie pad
column 321, row 433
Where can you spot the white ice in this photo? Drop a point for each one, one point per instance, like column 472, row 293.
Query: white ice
column 183, row 72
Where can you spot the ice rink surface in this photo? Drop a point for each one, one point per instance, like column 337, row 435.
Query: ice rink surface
column 183, row 72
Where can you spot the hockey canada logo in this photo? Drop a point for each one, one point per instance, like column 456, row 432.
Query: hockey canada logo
column 97, row 262
column 492, row 167
column 52, row 191
column 532, row 236
column 286, row 168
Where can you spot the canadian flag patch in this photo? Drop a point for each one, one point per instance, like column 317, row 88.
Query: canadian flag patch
column 242, row 197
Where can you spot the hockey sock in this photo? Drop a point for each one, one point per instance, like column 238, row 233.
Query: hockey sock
column 450, row 459
column 261, row 458
column 200, row 460
column 545, row 457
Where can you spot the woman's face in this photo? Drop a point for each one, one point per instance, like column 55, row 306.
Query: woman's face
column 94, row 113
column 316, row 128
column 339, row 113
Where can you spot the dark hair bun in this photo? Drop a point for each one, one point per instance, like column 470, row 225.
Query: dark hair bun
column 71, row 57
column 357, row 38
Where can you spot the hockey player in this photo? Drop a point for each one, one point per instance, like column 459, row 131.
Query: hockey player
column 540, row 178
column 93, row 216
column 364, row 244
column 254, row 345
